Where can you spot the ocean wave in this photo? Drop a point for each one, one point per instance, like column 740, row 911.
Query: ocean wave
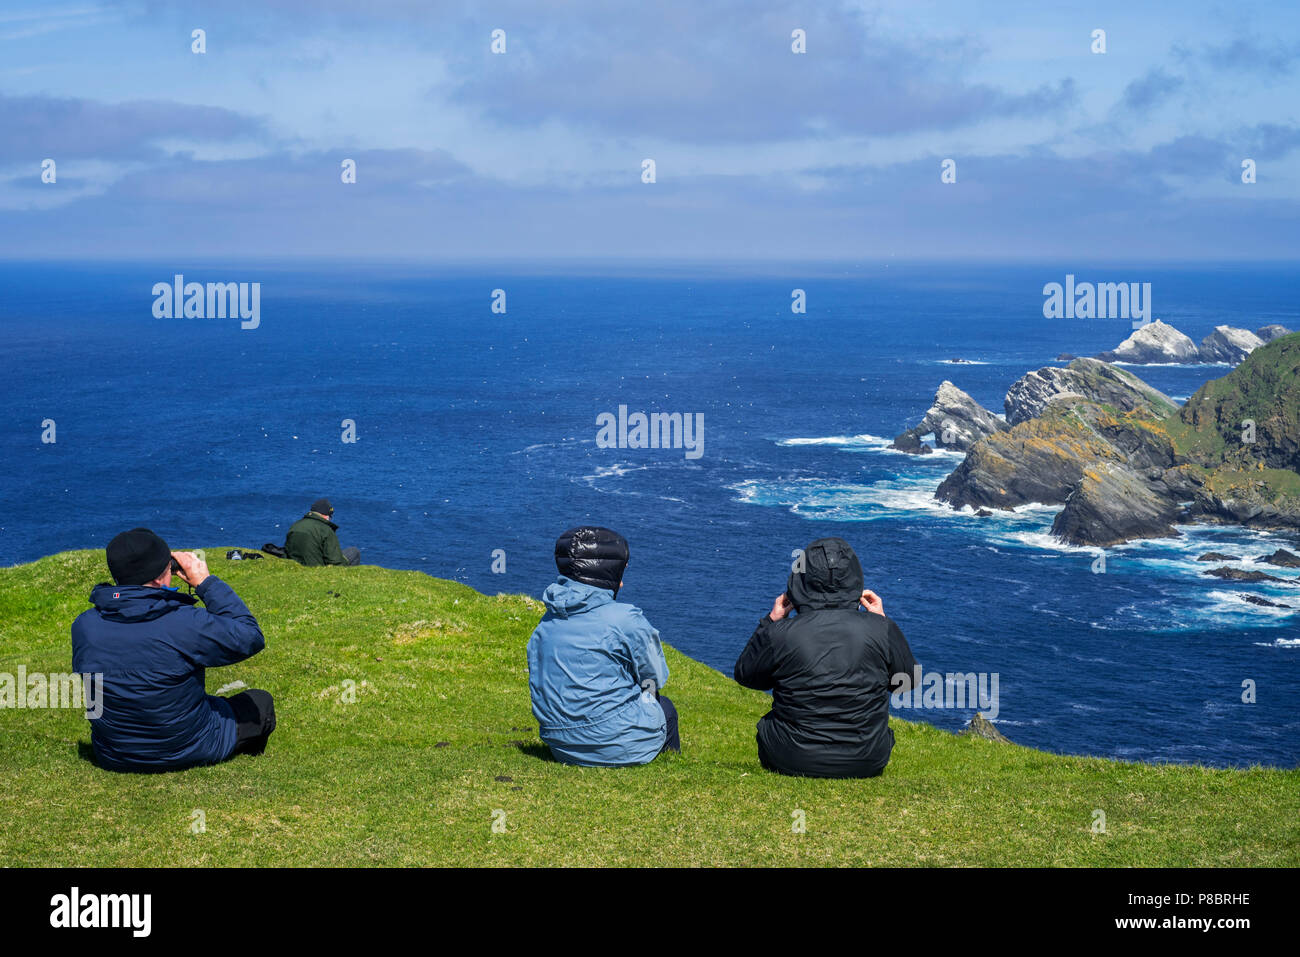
column 1180, row 554
column 869, row 443
column 1279, row 643
column 817, row 498
column 538, row 446
column 1175, row 365
column 1233, row 604
column 865, row 440
column 820, row 499
column 1040, row 539
column 616, row 470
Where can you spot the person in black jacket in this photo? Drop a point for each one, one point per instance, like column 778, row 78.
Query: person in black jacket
column 830, row 668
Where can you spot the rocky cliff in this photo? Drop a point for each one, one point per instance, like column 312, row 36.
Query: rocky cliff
column 1124, row 463
column 1083, row 378
column 1159, row 343
column 1156, row 342
column 956, row 420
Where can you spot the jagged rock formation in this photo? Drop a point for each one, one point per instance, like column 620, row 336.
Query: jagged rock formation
column 1217, row 557
column 1237, row 575
column 1124, row 463
column 1080, row 454
column 1281, row 558
column 1160, row 343
column 1156, row 342
column 1088, row 378
column 1256, row 600
column 956, row 420
column 1226, row 344
column 1113, row 505
column 982, row 727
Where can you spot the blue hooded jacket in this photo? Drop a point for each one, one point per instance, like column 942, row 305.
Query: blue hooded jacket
column 152, row 646
column 594, row 666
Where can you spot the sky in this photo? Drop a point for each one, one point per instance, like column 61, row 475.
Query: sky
column 760, row 153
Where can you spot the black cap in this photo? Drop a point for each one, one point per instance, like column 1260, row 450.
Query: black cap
column 322, row 506
column 137, row 556
column 592, row 555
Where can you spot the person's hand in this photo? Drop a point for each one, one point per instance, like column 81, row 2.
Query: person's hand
column 871, row 602
column 780, row 608
column 193, row 568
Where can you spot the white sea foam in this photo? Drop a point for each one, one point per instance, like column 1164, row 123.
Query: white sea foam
column 865, row 441
column 847, row 501
column 1232, row 604
column 870, row 443
column 817, row 498
column 617, row 470
column 1175, row 365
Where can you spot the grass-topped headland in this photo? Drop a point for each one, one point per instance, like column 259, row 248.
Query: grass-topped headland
column 1124, row 462
column 405, row 733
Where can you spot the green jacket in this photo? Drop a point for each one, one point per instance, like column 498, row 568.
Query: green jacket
column 311, row 541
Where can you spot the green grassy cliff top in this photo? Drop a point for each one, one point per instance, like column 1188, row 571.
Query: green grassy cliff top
column 440, row 744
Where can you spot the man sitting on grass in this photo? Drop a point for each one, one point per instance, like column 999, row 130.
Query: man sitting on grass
column 312, row 540
column 151, row 643
column 595, row 665
column 830, row 668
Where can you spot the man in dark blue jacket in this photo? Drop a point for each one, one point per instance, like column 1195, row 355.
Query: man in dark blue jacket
column 152, row 643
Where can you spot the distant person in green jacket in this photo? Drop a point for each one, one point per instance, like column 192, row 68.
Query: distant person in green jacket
column 312, row 539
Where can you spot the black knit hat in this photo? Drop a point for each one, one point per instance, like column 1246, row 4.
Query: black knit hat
column 322, row 506
column 137, row 556
column 592, row 555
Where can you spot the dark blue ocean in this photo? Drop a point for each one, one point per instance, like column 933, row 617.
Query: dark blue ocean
column 477, row 432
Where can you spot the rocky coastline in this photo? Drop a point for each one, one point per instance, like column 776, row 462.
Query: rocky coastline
column 1122, row 460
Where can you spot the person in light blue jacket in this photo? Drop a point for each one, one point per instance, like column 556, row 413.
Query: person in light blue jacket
column 595, row 665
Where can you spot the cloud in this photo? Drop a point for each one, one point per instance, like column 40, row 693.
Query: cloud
column 1151, row 90
column 411, row 204
column 1246, row 55
column 36, row 127
column 724, row 71
column 24, row 25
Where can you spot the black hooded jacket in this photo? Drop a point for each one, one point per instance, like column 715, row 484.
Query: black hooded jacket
column 829, row 669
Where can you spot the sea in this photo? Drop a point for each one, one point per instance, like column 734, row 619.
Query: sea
column 474, row 396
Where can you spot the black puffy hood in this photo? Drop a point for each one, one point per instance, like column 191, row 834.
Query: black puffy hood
column 592, row 555
column 832, row 576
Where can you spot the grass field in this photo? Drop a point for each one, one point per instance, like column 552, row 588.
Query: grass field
column 440, row 744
